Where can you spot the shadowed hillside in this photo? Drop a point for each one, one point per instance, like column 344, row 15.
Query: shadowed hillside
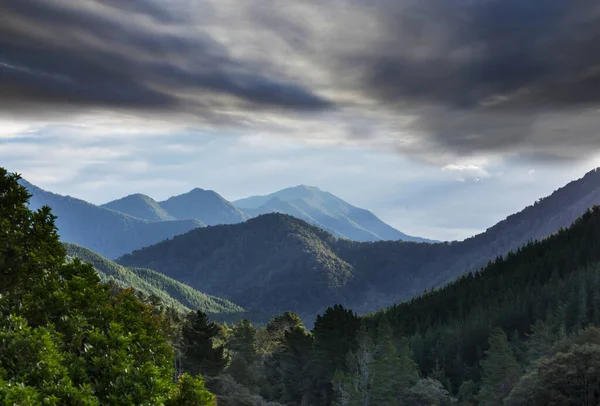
column 107, row 232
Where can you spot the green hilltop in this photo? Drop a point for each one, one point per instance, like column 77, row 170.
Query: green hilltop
column 171, row 292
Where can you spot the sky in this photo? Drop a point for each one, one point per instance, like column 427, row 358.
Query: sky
column 440, row 116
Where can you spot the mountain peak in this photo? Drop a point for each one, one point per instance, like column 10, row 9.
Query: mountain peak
column 205, row 205
column 141, row 206
column 326, row 211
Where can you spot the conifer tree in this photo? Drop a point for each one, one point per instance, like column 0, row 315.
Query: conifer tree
column 334, row 336
column 501, row 370
column 201, row 355
column 393, row 370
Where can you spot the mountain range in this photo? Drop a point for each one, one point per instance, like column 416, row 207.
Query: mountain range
column 137, row 220
column 108, row 232
column 279, row 262
column 326, row 211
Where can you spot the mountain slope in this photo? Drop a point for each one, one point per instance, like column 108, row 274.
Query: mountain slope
column 170, row 291
column 555, row 281
column 255, row 263
column 107, row 232
column 140, row 206
column 326, row 211
column 280, row 262
column 204, row 205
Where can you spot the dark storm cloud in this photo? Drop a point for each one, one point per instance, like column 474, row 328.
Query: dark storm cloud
column 475, row 76
column 479, row 74
column 104, row 53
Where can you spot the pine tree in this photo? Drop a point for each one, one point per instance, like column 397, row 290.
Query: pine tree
column 540, row 342
column 359, row 369
column 293, row 360
column 334, row 336
column 201, row 355
column 243, row 341
column 393, row 371
column 501, row 370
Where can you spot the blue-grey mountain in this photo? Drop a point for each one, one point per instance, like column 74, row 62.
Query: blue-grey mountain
column 107, row 232
column 140, row 206
column 327, row 211
column 204, row 205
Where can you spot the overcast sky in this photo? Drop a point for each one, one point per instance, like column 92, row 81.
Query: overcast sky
column 441, row 116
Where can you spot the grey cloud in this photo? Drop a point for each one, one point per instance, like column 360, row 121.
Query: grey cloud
column 477, row 76
column 89, row 53
column 485, row 75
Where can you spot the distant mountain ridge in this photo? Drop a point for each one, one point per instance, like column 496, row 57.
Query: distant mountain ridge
column 107, row 232
column 278, row 262
column 140, row 206
column 204, row 205
column 327, row 211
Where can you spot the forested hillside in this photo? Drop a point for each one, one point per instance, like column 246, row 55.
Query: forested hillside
column 255, row 264
column 151, row 283
column 278, row 262
column 107, row 232
column 540, row 294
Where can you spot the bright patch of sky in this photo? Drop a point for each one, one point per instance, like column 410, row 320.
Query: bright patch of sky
column 99, row 162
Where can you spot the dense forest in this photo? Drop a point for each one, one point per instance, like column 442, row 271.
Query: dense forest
column 521, row 331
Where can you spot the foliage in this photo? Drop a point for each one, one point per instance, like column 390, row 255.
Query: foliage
column 426, row 391
column 567, row 376
column 500, row 370
column 202, row 355
column 191, row 392
column 65, row 338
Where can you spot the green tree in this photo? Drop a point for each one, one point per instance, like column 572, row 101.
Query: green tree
column 66, row 339
column 334, row 336
column 426, row 391
column 202, row 356
column 278, row 325
column 500, row 370
column 242, row 341
column 393, row 371
column 243, row 345
column 293, row 361
column 541, row 341
column 191, row 392
column 566, row 378
column 466, row 393
column 28, row 240
column 354, row 386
